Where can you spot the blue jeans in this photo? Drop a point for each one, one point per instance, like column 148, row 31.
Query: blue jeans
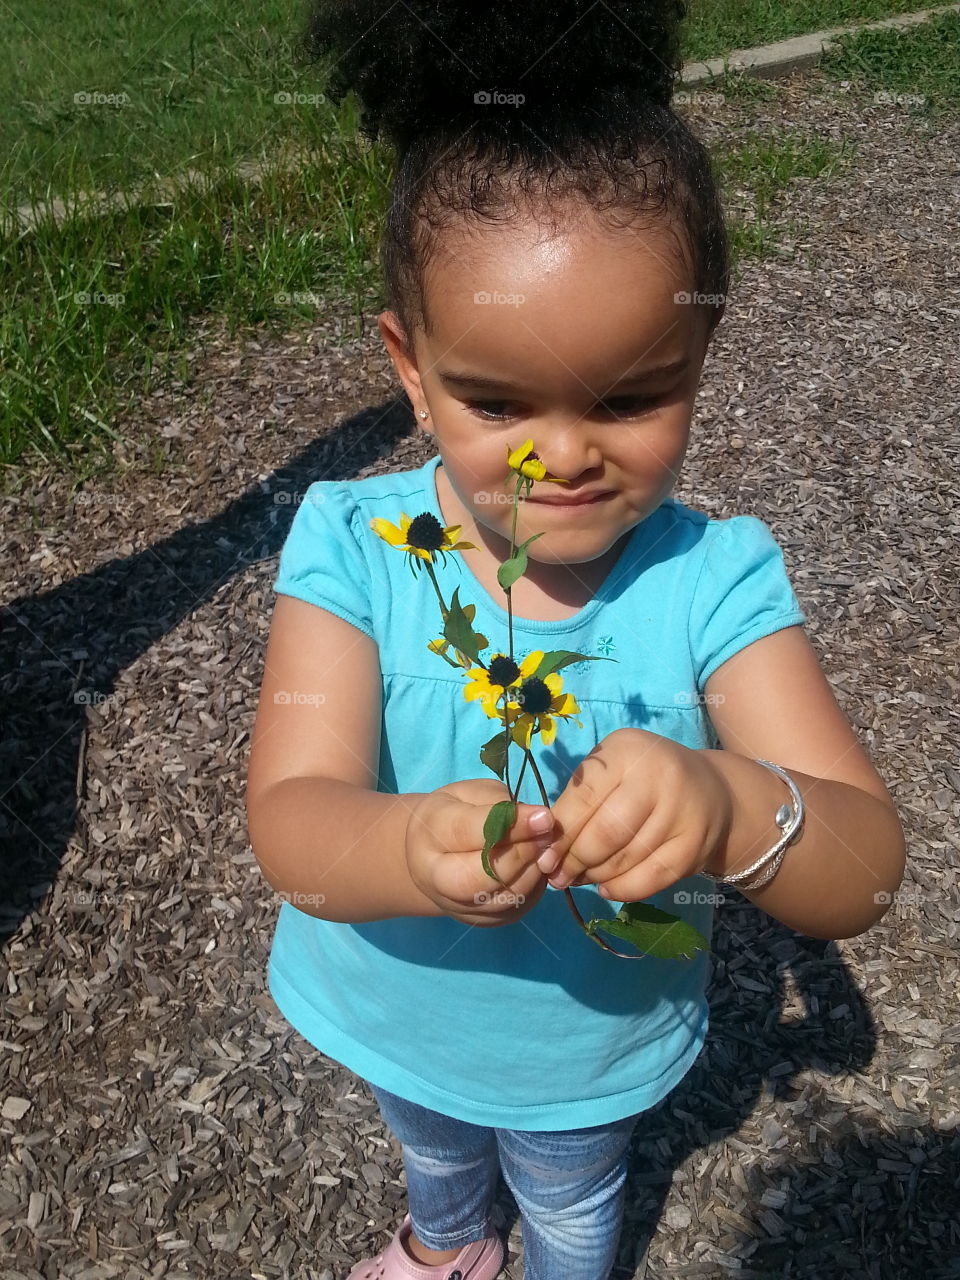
column 569, row 1186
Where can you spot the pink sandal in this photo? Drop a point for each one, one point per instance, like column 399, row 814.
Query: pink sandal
column 480, row 1260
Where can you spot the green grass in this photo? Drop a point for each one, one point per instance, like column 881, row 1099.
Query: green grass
column 755, row 171
column 93, row 312
column 714, row 27
column 108, row 94
column 924, row 61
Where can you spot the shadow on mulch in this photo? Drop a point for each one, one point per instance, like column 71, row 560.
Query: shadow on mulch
column 107, row 614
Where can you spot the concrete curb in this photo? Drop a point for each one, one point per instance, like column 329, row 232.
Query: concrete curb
column 768, row 60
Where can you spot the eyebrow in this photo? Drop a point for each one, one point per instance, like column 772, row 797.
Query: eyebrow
column 461, row 378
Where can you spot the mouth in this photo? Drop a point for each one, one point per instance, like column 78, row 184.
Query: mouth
column 568, row 504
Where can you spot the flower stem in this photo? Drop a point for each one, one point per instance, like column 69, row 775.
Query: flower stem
column 536, row 772
column 523, row 769
column 506, row 749
column 513, row 543
column 443, row 608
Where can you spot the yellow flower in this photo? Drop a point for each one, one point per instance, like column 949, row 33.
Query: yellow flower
column 422, row 536
column 487, row 684
column 541, row 702
column 527, row 463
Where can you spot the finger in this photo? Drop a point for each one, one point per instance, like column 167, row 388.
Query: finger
column 669, row 862
column 530, row 833
column 651, row 836
column 602, row 840
column 571, row 813
column 587, row 792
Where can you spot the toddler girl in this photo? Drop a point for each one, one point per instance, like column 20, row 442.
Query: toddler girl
column 556, row 264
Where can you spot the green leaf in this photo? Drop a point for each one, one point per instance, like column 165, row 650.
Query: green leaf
column 558, row 658
column 516, row 566
column 656, row 932
column 498, row 822
column 458, row 631
column 494, row 755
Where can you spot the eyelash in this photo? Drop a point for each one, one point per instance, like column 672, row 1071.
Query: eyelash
column 476, row 407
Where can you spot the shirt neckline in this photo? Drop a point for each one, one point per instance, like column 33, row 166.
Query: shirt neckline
column 479, row 595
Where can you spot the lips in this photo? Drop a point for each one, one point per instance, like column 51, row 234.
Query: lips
column 583, row 500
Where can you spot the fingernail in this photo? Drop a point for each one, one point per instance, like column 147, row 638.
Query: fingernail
column 541, row 821
column 547, row 861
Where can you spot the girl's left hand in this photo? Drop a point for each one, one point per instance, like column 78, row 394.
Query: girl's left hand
column 639, row 813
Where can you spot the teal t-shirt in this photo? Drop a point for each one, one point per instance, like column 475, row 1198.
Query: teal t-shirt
column 529, row 1025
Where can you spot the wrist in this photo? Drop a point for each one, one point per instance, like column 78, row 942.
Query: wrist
column 756, row 794
column 417, row 822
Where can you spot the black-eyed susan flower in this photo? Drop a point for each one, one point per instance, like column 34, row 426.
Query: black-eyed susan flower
column 488, row 683
column 539, row 704
column 527, row 463
column 423, row 536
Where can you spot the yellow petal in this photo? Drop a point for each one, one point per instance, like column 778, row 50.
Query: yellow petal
column 548, row 730
column 530, row 663
column 389, row 532
column 534, row 469
column 515, row 458
column 566, row 705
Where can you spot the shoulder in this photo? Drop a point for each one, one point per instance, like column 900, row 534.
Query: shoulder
column 346, row 507
column 709, row 530
column 726, row 543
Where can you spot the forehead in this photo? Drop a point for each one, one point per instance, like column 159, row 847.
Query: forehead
column 577, row 302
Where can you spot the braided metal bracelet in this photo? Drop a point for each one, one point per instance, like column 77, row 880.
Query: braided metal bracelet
column 789, row 820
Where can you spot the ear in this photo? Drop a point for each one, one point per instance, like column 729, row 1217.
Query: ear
column 404, row 361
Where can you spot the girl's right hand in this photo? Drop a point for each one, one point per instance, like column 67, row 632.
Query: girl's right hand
column 443, row 845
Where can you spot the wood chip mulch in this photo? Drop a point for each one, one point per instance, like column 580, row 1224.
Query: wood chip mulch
column 158, row 1117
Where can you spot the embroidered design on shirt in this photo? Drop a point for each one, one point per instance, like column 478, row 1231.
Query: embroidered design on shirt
column 604, row 647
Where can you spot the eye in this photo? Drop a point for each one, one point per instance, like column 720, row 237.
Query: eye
column 480, row 409
column 640, row 405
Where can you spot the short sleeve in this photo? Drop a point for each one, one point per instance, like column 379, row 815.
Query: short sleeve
column 742, row 594
column 322, row 560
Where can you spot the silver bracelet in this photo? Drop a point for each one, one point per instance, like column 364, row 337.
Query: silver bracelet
column 789, row 820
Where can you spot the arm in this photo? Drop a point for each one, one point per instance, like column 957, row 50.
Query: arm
column 771, row 701
column 336, row 851
column 324, row 837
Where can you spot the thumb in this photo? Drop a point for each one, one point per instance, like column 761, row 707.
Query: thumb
column 539, row 821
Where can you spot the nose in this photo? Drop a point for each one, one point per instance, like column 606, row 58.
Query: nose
column 568, row 449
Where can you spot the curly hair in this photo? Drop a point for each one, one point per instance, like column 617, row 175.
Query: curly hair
column 499, row 109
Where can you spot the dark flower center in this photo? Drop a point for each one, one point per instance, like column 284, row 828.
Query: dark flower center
column 502, row 670
column 425, row 532
column 535, row 697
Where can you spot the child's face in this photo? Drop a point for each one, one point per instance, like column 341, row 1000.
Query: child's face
column 569, row 324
